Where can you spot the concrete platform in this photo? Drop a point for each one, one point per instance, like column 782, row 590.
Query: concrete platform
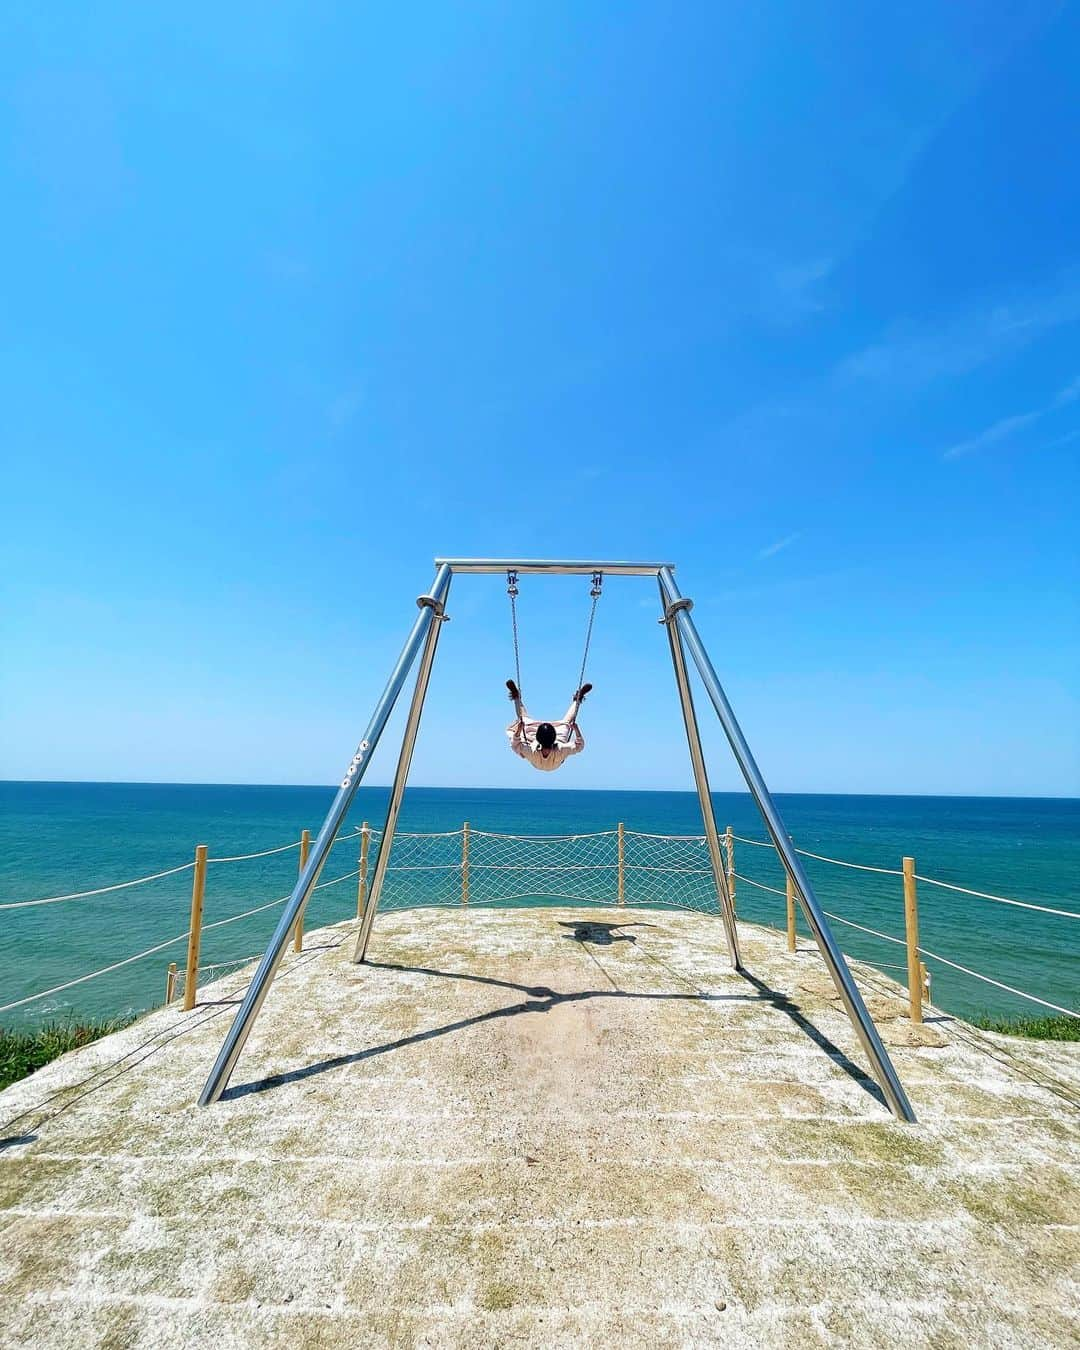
column 542, row 1127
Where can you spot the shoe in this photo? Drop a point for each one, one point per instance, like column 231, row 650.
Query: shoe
column 585, row 689
column 515, row 692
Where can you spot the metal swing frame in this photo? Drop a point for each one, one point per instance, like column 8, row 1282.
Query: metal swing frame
column 682, row 638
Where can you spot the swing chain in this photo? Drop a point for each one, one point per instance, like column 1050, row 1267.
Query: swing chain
column 597, row 584
column 512, row 592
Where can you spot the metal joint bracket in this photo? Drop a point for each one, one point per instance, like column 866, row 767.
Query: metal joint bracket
column 671, row 610
column 429, row 602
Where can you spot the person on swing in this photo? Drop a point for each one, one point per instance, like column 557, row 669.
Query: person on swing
column 539, row 742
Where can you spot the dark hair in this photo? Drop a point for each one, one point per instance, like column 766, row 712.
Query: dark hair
column 545, row 735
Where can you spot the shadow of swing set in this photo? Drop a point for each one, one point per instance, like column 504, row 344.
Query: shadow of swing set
column 682, row 639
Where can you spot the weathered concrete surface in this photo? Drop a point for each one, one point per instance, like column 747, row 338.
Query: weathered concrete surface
column 523, row 1127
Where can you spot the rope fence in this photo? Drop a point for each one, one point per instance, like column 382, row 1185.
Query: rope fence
column 605, row 867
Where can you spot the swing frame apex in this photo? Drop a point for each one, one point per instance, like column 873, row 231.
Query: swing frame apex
column 553, row 567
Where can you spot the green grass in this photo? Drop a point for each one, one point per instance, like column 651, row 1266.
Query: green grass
column 1035, row 1028
column 21, row 1052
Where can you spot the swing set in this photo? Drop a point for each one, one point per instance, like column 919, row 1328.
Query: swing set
column 682, row 638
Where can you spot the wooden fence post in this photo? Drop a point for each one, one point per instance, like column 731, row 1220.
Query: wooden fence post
column 170, row 983
column 790, row 912
column 198, row 890
column 298, row 931
column 465, row 863
column 911, row 930
column 622, row 863
column 729, row 851
column 361, row 885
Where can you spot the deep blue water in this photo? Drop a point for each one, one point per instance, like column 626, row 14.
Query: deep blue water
column 61, row 837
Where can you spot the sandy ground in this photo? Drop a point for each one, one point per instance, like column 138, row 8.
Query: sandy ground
column 542, row 1126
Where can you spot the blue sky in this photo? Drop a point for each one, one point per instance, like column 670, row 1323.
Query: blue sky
column 298, row 296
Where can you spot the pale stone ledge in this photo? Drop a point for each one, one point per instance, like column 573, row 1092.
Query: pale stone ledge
column 534, row 1127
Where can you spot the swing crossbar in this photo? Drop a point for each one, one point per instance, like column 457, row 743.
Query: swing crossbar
column 554, row 566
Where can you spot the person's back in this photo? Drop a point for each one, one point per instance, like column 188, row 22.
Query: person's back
column 540, row 743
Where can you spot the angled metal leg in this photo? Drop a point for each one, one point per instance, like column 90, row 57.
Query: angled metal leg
column 676, row 610
column 401, row 774
column 428, row 619
column 701, row 779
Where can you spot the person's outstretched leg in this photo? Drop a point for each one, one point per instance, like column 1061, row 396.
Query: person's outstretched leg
column 515, row 695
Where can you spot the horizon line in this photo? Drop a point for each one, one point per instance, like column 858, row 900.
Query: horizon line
column 436, row 787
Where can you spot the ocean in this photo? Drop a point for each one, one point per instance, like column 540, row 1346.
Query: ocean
column 64, row 837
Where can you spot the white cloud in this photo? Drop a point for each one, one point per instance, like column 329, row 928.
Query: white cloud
column 1009, row 426
column 1059, row 441
column 780, row 544
column 915, row 356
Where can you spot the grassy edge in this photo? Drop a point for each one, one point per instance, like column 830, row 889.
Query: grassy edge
column 23, row 1052
column 1057, row 1028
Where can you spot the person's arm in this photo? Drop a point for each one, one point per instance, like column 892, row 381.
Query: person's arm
column 519, row 742
column 579, row 742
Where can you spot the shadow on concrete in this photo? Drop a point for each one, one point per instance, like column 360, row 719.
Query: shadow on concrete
column 14, row 1140
column 600, row 934
column 782, row 1003
column 540, row 999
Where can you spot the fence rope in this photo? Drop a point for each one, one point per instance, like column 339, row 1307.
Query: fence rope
column 59, row 988
column 930, row 881
column 101, row 890
column 837, row 862
column 492, row 834
column 644, row 834
column 266, row 852
column 859, row 867
column 1069, row 1012
column 873, row 931
column 760, row 885
column 151, row 951
column 984, row 895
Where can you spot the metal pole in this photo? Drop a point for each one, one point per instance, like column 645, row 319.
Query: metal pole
column 401, row 774
column 677, row 608
column 553, row 566
column 465, row 863
column 701, row 779
column 430, row 606
column 621, row 874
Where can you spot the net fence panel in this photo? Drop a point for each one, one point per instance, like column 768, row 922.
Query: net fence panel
column 662, row 871
column 669, row 871
column 424, row 870
column 504, row 868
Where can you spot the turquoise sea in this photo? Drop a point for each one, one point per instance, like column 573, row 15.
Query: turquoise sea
column 63, row 837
